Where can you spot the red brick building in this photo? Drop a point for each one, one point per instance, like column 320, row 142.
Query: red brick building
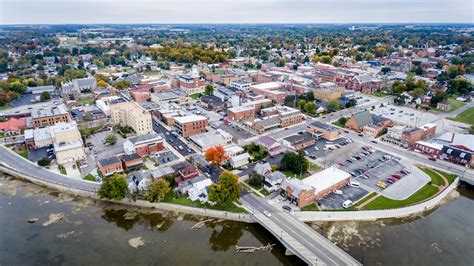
column 131, row 160
column 190, row 125
column 241, row 113
column 110, row 166
column 144, row 144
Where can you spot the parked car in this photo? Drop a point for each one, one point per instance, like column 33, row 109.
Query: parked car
column 180, row 147
column 267, row 213
column 286, row 208
column 432, row 159
column 397, row 176
column 346, row 204
column 337, row 191
column 354, row 184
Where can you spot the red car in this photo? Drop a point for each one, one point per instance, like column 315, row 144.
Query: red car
column 391, row 179
column 397, row 176
column 432, row 159
column 341, row 164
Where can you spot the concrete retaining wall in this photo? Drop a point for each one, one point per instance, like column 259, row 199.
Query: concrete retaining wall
column 240, row 217
column 370, row 215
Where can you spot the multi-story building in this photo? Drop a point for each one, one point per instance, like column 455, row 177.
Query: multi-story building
column 140, row 95
column 144, row 144
column 412, row 135
column 67, row 143
column 133, row 115
column 189, row 83
column 241, row 85
column 241, row 113
column 190, row 125
column 320, row 129
column 49, row 116
column 363, row 83
column 271, row 90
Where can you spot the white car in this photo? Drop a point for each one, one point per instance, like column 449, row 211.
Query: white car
column 337, row 191
column 267, row 214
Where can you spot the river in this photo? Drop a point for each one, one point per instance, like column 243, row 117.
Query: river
column 96, row 233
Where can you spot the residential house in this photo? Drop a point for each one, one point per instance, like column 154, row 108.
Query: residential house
column 272, row 146
column 12, row 126
column 139, row 181
column 186, row 173
column 198, row 188
column 262, row 169
column 273, row 180
column 239, row 160
column 163, row 171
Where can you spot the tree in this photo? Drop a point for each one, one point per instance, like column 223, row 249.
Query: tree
column 113, row 187
column 310, row 107
column 301, row 104
column 44, row 161
column 438, row 97
column 351, row 103
column 385, row 70
column 209, row 89
column 45, row 96
column 398, row 87
column 121, row 85
column 310, row 96
column 110, row 139
column 452, row 71
column 227, row 191
column 102, row 84
column 17, row 87
column 332, row 106
column 342, row 121
column 368, row 56
column 157, row 190
column 216, row 155
column 417, row 92
column 294, row 162
column 256, row 180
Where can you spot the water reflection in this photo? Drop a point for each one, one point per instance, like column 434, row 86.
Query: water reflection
column 225, row 235
column 127, row 219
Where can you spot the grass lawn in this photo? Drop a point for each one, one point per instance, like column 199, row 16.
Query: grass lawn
column 382, row 202
column 171, row 197
column 89, row 177
column 2, row 135
column 195, row 96
column 85, row 101
column 381, row 94
column 449, row 177
column 337, row 123
column 23, row 152
column 467, row 116
column 62, row 170
column 313, row 168
column 436, row 179
column 365, row 199
column 311, row 207
column 4, row 107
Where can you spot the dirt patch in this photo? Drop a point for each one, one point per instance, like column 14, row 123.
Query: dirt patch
column 54, row 218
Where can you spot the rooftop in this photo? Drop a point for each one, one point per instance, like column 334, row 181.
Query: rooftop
column 189, row 118
column 326, row 178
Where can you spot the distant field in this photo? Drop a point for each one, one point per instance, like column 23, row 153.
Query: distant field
column 467, row 116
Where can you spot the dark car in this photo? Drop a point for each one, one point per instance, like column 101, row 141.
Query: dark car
column 286, row 208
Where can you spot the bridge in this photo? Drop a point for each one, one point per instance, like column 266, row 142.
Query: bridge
column 299, row 239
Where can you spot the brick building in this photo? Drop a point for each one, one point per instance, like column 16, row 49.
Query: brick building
column 241, row 113
column 49, row 116
column 144, row 144
column 110, row 166
column 190, row 125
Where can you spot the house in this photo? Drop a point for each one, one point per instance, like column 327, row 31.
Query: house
column 273, row 180
column 12, row 126
column 110, row 166
column 239, row 160
column 297, row 192
column 186, row 173
column 139, row 180
column 144, row 144
column 320, row 129
column 131, row 160
column 212, row 103
column 299, row 141
column 198, row 188
column 262, row 169
column 445, row 106
column 272, row 146
column 327, row 181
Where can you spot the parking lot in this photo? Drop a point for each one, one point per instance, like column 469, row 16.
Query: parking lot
column 334, row 201
column 322, row 148
column 101, row 150
column 172, row 140
column 404, row 115
column 371, row 169
column 165, row 157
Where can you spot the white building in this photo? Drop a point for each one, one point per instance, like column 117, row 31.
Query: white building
column 207, row 140
column 198, row 188
column 239, row 160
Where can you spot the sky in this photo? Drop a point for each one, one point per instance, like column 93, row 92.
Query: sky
column 235, row 11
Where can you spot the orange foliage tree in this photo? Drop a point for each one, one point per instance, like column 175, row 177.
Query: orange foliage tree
column 216, row 155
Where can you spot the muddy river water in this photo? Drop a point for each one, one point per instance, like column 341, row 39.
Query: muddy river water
column 40, row 226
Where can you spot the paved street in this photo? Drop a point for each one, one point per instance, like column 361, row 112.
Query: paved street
column 174, row 141
column 11, row 159
column 310, row 246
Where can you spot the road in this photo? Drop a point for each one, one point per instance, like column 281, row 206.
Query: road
column 174, row 141
column 310, row 246
column 13, row 160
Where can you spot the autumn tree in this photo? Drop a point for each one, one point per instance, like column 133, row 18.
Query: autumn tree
column 216, row 155
column 101, row 83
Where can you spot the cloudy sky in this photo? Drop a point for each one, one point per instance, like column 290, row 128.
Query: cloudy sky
column 234, row 11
